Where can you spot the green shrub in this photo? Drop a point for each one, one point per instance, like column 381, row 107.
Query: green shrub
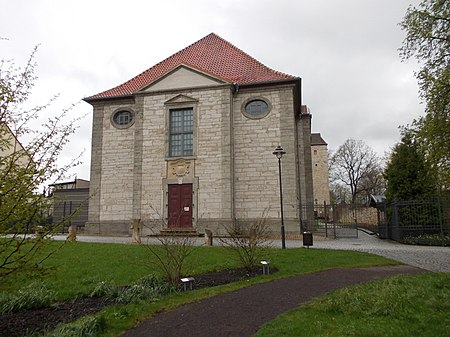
column 35, row 295
column 104, row 289
column 151, row 281
column 147, row 288
column 88, row 326
column 135, row 293
column 428, row 239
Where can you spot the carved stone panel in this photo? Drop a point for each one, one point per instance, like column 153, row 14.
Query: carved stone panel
column 180, row 168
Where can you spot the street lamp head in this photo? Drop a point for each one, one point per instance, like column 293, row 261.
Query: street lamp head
column 279, row 152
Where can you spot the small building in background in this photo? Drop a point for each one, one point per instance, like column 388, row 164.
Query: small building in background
column 70, row 203
column 11, row 150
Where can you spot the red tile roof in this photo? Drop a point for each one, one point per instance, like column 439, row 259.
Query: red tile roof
column 212, row 55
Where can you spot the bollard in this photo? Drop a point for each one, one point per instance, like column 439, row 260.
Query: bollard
column 265, row 267
column 209, row 237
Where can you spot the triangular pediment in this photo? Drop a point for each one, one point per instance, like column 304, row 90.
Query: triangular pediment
column 181, row 99
column 183, row 77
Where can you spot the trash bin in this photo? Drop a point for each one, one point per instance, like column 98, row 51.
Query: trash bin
column 307, row 239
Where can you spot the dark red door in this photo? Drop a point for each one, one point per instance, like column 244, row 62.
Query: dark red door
column 180, row 206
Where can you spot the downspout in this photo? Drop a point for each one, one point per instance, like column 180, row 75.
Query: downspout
column 297, row 111
column 234, row 91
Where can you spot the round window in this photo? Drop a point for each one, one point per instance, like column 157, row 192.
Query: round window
column 122, row 118
column 256, row 108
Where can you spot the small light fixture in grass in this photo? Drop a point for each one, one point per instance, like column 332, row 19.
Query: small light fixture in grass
column 187, row 282
column 265, row 267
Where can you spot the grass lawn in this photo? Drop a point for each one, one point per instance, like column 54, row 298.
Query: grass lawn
column 77, row 267
column 399, row 306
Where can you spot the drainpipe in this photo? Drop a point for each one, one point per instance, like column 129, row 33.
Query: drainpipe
column 297, row 106
column 234, row 91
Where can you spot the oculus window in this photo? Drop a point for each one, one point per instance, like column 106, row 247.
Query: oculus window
column 122, row 119
column 256, row 108
column 181, row 139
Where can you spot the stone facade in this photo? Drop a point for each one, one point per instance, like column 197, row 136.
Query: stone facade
column 11, row 148
column 232, row 171
column 319, row 153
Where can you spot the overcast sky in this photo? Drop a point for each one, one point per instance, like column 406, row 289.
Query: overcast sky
column 345, row 51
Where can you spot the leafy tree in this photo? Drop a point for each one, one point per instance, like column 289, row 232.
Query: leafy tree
column 428, row 40
column 25, row 167
column 408, row 175
column 352, row 164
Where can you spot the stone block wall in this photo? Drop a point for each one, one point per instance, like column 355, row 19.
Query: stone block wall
column 211, row 159
column 320, row 174
column 256, row 168
column 116, row 199
column 232, row 168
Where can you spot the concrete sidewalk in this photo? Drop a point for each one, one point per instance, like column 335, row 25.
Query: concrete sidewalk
column 430, row 258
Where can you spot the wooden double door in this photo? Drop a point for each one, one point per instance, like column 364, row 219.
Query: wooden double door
column 180, row 206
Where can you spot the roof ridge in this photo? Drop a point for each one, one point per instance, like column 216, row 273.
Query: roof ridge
column 248, row 55
column 173, row 56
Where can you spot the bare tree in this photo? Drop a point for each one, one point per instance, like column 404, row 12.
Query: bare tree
column 353, row 163
column 28, row 160
column 171, row 252
column 247, row 240
column 373, row 184
column 339, row 193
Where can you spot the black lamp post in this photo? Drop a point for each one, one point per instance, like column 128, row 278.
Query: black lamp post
column 279, row 152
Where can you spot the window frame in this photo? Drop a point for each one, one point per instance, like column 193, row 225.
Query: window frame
column 122, row 126
column 253, row 99
column 184, row 130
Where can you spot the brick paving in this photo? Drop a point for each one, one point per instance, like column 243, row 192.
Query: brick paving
column 435, row 259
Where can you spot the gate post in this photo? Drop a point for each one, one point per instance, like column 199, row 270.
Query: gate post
column 334, row 220
column 136, row 228
column 394, row 226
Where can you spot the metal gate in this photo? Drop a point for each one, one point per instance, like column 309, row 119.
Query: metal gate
column 413, row 219
column 338, row 221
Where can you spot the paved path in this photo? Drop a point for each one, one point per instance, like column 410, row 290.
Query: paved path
column 429, row 258
column 426, row 257
column 242, row 312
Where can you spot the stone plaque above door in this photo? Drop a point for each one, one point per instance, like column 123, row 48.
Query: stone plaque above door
column 180, row 168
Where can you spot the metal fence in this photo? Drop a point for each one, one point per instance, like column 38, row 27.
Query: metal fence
column 401, row 219
column 338, row 221
column 70, row 208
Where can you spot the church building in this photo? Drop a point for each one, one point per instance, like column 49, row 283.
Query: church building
column 188, row 145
